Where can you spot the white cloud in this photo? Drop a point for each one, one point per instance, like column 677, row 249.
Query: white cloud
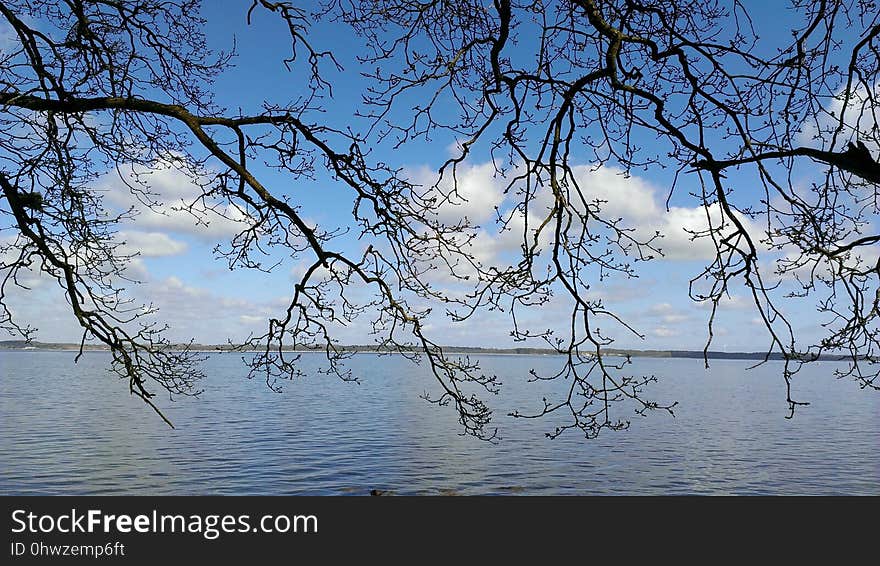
column 667, row 313
column 665, row 332
column 172, row 192
column 620, row 290
column 637, row 202
column 633, row 199
column 860, row 114
column 490, row 243
column 136, row 269
column 193, row 311
column 10, row 250
column 8, row 39
column 29, row 277
column 454, row 148
column 731, row 303
column 628, row 197
column 479, row 190
column 149, row 244
column 812, row 266
column 679, row 225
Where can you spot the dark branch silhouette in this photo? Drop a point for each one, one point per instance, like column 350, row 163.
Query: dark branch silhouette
column 856, row 159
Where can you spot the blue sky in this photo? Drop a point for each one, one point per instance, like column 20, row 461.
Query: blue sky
column 200, row 298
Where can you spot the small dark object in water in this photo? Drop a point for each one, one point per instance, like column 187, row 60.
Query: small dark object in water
column 378, row 492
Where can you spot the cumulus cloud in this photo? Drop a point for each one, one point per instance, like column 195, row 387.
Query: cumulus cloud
column 731, row 303
column 860, row 113
column 479, row 191
column 637, row 202
column 149, row 244
column 667, row 313
column 807, row 267
column 633, row 199
column 194, row 311
column 175, row 203
column 628, row 197
column 664, row 332
column 493, row 242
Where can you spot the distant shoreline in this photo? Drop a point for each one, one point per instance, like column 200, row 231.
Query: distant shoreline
column 21, row 345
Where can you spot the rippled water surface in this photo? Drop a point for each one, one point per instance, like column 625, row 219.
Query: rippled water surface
column 70, row 428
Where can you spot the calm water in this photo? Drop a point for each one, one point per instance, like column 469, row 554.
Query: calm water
column 73, row 429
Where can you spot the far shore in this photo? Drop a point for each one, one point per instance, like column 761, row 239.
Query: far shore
column 33, row 346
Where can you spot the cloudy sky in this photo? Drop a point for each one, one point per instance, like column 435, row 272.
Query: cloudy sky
column 201, row 298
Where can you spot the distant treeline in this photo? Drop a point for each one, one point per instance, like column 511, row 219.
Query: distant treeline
column 715, row 355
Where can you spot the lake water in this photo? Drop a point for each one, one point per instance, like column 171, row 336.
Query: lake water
column 73, row 429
